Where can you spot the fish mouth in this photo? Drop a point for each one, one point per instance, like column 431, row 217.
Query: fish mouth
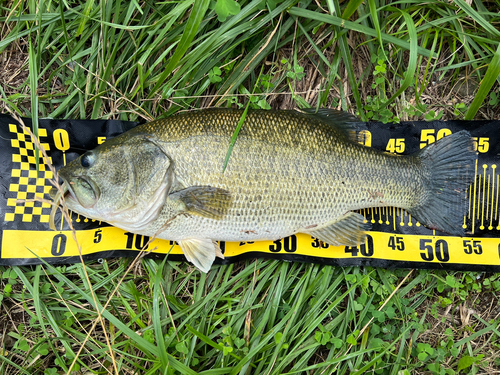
column 63, row 191
column 66, row 192
column 87, row 185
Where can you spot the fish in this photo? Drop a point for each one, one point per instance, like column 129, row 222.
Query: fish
column 289, row 172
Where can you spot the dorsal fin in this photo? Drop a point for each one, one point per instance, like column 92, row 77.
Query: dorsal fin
column 344, row 121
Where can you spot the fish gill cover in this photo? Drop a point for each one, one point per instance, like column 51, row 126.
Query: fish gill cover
column 396, row 239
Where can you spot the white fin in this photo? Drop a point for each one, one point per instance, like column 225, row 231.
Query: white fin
column 199, row 252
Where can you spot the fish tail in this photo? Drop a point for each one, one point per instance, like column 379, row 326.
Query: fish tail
column 449, row 165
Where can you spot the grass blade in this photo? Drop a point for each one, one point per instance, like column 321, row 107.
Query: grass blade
column 492, row 75
column 33, row 78
column 235, row 136
column 351, row 7
column 84, row 16
column 346, row 56
column 477, row 17
column 412, row 61
column 190, row 31
column 158, row 326
column 337, row 21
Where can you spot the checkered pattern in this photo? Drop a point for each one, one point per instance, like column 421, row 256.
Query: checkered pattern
column 25, row 183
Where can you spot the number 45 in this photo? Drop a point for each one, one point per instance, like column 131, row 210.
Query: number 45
column 396, row 145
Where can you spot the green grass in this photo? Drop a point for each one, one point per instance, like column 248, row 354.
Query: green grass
column 130, row 60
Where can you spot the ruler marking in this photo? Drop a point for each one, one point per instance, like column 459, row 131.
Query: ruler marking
column 470, row 201
column 485, row 166
column 492, row 196
column 394, row 217
column 474, row 201
column 496, row 206
column 488, row 203
column 478, row 204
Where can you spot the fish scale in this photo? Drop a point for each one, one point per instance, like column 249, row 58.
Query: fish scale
column 288, row 172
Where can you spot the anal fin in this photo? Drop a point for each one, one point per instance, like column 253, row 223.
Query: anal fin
column 201, row 253
column 348, row 230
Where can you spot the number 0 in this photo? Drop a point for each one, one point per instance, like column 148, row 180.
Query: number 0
column 58, row 245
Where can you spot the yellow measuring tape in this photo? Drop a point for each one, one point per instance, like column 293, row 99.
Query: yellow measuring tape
column 391, row 247
column 396, row 240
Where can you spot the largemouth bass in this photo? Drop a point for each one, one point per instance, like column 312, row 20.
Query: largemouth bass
column 289, row 172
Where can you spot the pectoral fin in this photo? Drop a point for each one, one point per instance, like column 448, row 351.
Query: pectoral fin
column 205, row 201
column 348, row 230
column 201, row 253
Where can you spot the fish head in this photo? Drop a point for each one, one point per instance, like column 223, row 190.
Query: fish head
column 124, row 182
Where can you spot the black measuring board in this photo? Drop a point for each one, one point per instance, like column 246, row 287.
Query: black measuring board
column 396, row 239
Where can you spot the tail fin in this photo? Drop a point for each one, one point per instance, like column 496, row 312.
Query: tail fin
column 450, row 165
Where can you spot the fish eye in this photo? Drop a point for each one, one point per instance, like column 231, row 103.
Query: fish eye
column 87, row 160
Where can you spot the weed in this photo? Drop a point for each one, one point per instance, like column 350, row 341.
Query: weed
column 130, row 61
